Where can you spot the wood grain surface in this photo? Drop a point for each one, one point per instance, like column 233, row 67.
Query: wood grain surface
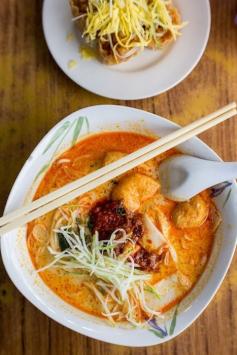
column 34, row 95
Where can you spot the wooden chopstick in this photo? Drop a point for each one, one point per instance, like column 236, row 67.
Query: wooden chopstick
column 89, row 182
column 80, row 182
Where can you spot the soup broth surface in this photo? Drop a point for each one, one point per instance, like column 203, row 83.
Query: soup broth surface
column 192, row 244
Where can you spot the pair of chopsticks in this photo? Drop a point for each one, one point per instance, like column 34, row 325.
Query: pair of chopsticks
column 78, row 187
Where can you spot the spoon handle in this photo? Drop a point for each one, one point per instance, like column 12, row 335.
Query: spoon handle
column 183, row 176
column 225, row 171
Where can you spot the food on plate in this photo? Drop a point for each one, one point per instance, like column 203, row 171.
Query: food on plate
column 122, row 251
column 120, row 29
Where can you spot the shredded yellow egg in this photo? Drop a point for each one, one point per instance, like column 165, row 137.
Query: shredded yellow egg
column 133, row 23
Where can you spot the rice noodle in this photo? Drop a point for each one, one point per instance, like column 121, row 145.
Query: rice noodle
column 102, row 301
column 122, row 282
column 63, row 161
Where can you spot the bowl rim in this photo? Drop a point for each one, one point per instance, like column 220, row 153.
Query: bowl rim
column 46, row 310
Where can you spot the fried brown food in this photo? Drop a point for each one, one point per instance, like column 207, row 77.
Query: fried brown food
column 121, row 55
column 167, row 37
column 78, row 8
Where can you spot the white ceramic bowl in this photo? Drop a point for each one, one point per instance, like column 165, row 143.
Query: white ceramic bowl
column 17, row 260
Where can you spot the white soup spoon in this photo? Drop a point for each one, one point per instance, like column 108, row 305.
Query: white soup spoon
column 184, row 176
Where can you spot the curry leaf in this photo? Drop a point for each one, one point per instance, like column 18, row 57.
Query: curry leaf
column 90, row 224
column 63, row 244
column 45, row 167
column 173, row 322
column 57, row 135
column 77, row 129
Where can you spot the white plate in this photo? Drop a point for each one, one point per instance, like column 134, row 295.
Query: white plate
column 18, row 263
column 146, row 75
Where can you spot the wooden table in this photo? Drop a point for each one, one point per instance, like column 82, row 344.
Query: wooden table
column 34, row 95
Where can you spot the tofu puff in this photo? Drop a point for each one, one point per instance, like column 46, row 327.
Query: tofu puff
column 122, row 29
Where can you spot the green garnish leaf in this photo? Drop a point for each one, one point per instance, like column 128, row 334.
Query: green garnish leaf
column 45, row 167
column 90, row 224
column 63, row 244
column 57, row 135
column 227, row 198
column 87, row 124
column 121, row 211
column 152, row 290
column 173, row 322
column 157, row 333
column 77, row 129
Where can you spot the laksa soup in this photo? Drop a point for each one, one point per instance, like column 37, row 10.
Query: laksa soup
column 122, row 251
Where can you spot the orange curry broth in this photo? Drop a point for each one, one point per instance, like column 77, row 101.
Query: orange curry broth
column 93, row 149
